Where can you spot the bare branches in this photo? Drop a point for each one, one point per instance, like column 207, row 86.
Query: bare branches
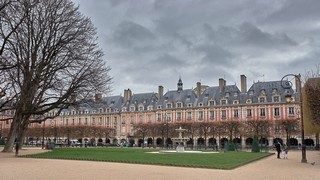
column 53, row 56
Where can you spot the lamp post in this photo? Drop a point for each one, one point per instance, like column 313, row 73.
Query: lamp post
column 43, row 130
column 288, row 84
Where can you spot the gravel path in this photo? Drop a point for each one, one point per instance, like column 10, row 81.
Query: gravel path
column 268, row 168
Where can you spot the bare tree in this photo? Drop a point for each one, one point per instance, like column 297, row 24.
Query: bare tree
column 291, row 127
column 55, row 58
column 259, row 128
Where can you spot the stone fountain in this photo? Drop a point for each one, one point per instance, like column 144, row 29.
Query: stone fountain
column 180, row 140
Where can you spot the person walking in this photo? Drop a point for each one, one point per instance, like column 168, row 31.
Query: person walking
column 278, row 148
column 285, row 151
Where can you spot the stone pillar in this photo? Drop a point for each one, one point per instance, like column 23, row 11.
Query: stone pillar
column 243, row 142
column 270, row 139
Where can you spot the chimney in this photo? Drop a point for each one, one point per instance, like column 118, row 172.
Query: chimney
column 198, row 89
column 160, row 92
column 129, row 94
column 222, row 84
column 243, row 80
column 125, row 96
column 98, row 97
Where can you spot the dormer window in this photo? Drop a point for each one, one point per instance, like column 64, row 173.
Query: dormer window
column 235, row 102
column 227, row 94
column 223, row 102
column 179, row 105
column 249, row 101
column 150, row 108
column 189, row 105
column 276, row 99
column 251, row 93
column 235, row 94
column 211, row 103
column 132, row 108
column 141, row 108
column 169, row 106
column 263, row 91
column 262, row 99
column 200, row 104
column 124, row 109
column 159, row 107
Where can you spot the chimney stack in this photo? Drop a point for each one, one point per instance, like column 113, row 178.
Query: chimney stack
column 243, row 80
column 198, row 89
column 222, row 84
column 126, row 95
column 160, row 92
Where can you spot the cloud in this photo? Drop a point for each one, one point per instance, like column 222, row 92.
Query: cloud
column 151, row 43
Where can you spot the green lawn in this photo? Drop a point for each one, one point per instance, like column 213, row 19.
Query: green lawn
column 228, row 160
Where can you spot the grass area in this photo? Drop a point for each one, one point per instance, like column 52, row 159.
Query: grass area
column 228, row 160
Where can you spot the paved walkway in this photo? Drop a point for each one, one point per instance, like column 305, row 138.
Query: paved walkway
column 268, row 168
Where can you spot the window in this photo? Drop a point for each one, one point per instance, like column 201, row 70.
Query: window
column 200, row 115
column 262, row 112
column 179, row 105
column 262, row 99
column 67, row 121
column 141, row 108
column 159, row 116
column 79, row 121
column 73, row 122
column 236, row 113
column 291, row 111
column 115, row 120
column 223, row 113
column 189, row 115
column 276, row 99
column 108, row 120
column 93, row 120
column 168, row 116
column 211, row 103
column 276, row 112
column 140, row 118
column 169, row 106
column 85, row 120
column 223, row 102
column 179, row 116
column 131, row 119
column 149, row 118
column 249, row 112
column 123, row 121
column 211, row 115
column 132, row 108
column 123, row 130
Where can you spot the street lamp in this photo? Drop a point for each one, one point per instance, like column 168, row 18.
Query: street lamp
column 287, row 85
column 43, row 130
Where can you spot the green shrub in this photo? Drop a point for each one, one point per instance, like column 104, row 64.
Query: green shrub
column 2, row 142
column 255, row 145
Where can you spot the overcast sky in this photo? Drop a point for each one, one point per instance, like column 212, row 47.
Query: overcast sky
column 149, row 43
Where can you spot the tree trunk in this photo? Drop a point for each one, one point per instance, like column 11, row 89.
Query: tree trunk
column 11, row 137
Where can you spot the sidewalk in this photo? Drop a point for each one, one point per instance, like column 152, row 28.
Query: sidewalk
column 268, row 168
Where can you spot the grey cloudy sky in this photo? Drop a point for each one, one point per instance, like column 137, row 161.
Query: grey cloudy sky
column 149, row 43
